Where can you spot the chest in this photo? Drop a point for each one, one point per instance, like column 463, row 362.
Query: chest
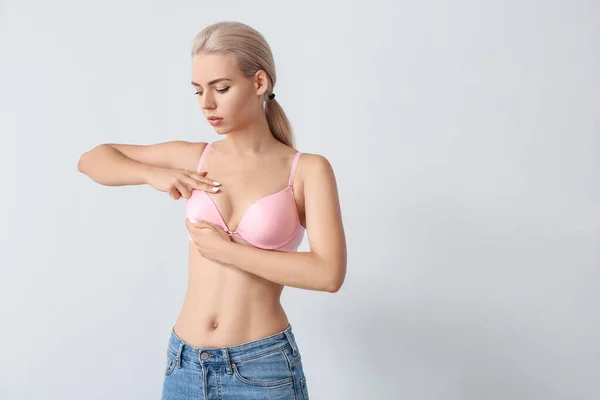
column 251, row 186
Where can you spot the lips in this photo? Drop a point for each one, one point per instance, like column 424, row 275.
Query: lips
column 215, row 121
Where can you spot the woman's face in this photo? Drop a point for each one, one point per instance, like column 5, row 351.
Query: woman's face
column 224, row 92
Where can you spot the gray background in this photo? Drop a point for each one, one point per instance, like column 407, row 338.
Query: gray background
column 465, row 137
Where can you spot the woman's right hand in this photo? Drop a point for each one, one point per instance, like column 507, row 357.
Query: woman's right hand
column 180, row 182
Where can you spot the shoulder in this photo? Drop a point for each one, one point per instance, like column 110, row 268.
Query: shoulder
column 187, row 153
column 189, row 146
column 181, row 147
column 314, row 162
column 315, row 167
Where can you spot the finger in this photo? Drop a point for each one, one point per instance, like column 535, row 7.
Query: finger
column 174, row 193
column 194, row 184
column 205, row 224
column 185, row 192
column 201, row 177
column 190, row 224
column 197, row 226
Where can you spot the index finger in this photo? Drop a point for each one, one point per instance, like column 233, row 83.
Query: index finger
column 203, row 179
column 190, row 222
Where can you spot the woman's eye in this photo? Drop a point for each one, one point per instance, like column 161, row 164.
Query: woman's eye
column 218, row 90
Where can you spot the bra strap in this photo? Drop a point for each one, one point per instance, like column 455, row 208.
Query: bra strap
column 294, row 166
column 202, row 156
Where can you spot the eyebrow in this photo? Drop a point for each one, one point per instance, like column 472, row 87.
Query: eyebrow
column 211, row 82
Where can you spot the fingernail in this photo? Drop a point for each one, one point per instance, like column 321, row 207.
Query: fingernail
column 193, row 221
column 190, row 237
column 215, row 189
column 216, row 183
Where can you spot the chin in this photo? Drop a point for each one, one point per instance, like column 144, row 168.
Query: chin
column 220, row 131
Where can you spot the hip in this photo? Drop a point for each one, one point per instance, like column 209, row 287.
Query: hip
column 208, row 325
column 269, row 367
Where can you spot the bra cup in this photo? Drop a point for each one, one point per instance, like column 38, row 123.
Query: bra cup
column 293, row 244
column 270, row 222
column 200, row 207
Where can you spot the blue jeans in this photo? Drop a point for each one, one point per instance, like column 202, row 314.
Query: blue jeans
column 265, row 369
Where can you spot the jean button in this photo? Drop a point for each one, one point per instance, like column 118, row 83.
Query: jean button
column 203, row 356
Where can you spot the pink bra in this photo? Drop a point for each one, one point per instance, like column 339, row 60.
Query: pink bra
column 271, row 222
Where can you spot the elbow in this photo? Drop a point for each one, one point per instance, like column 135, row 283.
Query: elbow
column 333, row 288
column 334, row 283
column 336, row 274
column 84, row 161
column 82, row 164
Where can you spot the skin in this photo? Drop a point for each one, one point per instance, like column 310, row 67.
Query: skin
column 234, row 288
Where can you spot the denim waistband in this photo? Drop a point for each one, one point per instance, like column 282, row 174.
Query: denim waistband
column 231, row 354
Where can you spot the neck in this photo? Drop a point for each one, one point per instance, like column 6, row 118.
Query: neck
column 253, row 138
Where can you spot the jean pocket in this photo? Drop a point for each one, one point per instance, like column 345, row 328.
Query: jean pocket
column 266, row 370
column 304, row 388
column 170, row 364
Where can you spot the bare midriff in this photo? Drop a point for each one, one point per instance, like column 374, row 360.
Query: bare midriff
column 225, row 306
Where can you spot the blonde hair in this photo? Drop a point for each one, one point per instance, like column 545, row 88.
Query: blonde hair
column 252, row 53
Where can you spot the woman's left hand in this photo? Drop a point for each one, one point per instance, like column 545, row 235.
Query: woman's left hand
column 209, row 239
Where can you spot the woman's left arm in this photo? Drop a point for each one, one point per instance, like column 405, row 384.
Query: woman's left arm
column 324, row 266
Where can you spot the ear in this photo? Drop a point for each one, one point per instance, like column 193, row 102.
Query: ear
column 261, row 82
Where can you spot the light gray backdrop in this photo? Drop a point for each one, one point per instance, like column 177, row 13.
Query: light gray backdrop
column 465, row 137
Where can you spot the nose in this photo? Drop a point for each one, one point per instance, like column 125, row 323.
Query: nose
column 207, row 102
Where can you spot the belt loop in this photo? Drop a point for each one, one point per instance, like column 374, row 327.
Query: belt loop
column 290, row 338
column 227, row 360
column 178, row 356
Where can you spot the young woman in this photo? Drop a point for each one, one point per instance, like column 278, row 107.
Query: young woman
column 249, row 199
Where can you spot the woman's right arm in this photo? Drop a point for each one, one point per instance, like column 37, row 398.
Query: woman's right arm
column 164, row 166
column 114, row 164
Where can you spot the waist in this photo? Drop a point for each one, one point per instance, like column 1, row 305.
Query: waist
column 225, row 305
column 234, row 353
column 214, row 328
column 212, row 283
